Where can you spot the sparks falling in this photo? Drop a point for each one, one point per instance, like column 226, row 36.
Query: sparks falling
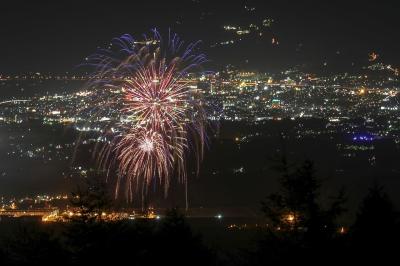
column 162, row 117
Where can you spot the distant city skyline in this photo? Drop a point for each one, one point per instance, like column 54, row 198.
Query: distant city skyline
column 355, row 117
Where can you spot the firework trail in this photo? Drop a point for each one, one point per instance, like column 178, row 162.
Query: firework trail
column 161, row 117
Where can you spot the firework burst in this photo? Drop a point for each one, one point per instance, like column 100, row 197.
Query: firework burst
column 161, row 117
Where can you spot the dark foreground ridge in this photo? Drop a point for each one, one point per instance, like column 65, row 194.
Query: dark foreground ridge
column 298, row 229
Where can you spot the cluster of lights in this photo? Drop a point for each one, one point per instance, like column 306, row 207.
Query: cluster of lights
column 363, row 138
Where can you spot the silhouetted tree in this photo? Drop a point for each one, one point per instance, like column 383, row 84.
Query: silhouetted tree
column 376, row 229
column 92, row 198
column 179, row 245
column 298, row 224
column 295, row 208
column 168, row 241
column 34, row 246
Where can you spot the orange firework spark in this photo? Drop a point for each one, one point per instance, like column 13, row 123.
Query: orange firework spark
column 373, row 56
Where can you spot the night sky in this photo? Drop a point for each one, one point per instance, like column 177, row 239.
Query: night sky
column 48, row 36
